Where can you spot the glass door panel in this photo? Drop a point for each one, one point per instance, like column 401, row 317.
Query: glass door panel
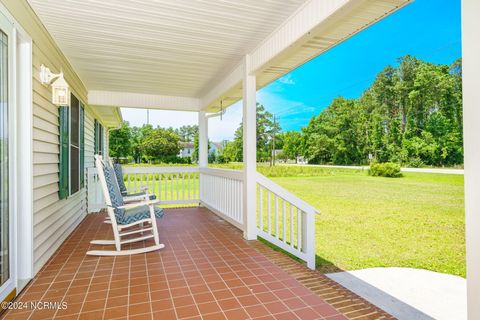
column 4, row 159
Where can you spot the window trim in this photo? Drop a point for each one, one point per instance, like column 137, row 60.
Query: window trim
column 79, row 147
column 70, row 145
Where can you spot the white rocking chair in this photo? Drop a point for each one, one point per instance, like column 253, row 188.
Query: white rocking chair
column 126, row 219
column 143, row 195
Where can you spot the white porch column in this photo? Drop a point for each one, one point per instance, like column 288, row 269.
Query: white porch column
column 202, row 139
column 471, row 118
column 249, row 152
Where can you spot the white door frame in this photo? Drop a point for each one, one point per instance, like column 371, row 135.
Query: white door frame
column 7, row 27
column 20, row 155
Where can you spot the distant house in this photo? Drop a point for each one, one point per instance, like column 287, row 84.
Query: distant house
column 215, row 148
column 187, row 150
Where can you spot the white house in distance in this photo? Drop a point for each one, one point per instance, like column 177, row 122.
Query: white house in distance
column 189, row 147
column 187, row 150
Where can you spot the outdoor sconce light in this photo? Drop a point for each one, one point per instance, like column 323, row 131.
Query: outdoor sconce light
column 60, row 89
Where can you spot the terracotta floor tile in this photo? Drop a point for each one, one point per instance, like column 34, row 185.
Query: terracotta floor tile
column 145, row 316
column 209, row 307
column 160, row 305
column 117, row 301
column 116, row 312
column 160, row 294
column 276, row 307
column 183, row 301
column 93, row 305
column 139, row 308
column 187, row 312
column 165, row 314
column 214, row 316
column 238, row 314
column 229, row 304
column 206, row 271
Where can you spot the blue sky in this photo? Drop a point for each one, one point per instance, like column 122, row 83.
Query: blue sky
column 426, row 29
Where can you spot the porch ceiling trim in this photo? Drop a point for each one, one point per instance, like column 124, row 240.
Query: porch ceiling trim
column 314, row 28
column 139, row 100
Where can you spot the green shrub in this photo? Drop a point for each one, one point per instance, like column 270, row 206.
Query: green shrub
column 387, row 169
column 416, row 163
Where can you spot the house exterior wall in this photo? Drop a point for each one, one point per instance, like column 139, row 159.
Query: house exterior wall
column 53, row 219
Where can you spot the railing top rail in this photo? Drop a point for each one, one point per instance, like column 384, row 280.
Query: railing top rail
column 285, row 194
column 127, row 170
column 221, row 172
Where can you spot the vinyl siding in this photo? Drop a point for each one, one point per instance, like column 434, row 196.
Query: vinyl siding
column 53, row 219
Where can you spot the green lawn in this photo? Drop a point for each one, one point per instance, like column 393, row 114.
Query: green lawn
column 415, row 221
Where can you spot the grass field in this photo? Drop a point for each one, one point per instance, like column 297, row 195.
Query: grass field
column 415, row 221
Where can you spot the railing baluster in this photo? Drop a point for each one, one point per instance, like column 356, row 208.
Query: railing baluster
column 291, row 226
column 269, row 206
column 167, row 186
column 183, row 186
column 299, row 228
column 188, row 181
column 260, row 189
column 276, row 217
column 284, row 216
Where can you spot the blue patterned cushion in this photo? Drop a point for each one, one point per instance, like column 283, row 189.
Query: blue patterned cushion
column 119, row 176
column 121, row 184
column 115, row 195
column 130, row 215
column 139, row 213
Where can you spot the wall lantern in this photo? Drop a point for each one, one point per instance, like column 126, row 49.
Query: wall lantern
column 60, row 89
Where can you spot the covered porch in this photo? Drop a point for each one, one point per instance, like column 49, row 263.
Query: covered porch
column 206, row 271
column 198, row 57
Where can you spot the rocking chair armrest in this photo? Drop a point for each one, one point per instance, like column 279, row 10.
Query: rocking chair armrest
column 139, row 189
column 137, row 204
column 143, row 197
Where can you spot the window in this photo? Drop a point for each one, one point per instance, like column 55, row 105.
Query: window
column 71, row 177
column 99, row 143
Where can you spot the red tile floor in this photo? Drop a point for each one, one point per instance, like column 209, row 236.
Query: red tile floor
column 205, row 271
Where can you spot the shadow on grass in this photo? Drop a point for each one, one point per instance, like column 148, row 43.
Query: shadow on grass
column 321, row 264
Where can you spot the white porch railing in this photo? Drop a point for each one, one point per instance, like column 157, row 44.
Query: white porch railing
column 282, row 218
column 285, row 220
column 171, row 185
column 221, row 191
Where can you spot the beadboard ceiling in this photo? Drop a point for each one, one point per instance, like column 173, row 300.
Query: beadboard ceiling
column 161, row 47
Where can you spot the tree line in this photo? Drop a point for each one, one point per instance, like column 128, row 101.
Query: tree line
column 410, row 115
column 149, row 144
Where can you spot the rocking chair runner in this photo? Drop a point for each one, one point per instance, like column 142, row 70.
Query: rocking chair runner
column 126, row 219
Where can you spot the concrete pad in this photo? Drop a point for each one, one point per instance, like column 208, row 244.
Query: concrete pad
column 409, row 294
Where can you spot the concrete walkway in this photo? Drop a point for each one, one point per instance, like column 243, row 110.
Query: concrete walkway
column 410, row 294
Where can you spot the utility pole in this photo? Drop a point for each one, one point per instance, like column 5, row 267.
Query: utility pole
column 273, row 139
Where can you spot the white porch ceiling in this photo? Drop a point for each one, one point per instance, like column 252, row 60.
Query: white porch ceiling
column 188, row 54
column 162, row 47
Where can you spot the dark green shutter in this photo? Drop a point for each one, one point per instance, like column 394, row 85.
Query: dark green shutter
column 82, row 146
column 64, row 146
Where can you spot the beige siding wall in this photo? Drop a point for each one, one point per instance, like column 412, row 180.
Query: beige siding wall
column 53, row 219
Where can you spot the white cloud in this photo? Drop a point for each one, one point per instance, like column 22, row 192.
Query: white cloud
column 287, row 79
